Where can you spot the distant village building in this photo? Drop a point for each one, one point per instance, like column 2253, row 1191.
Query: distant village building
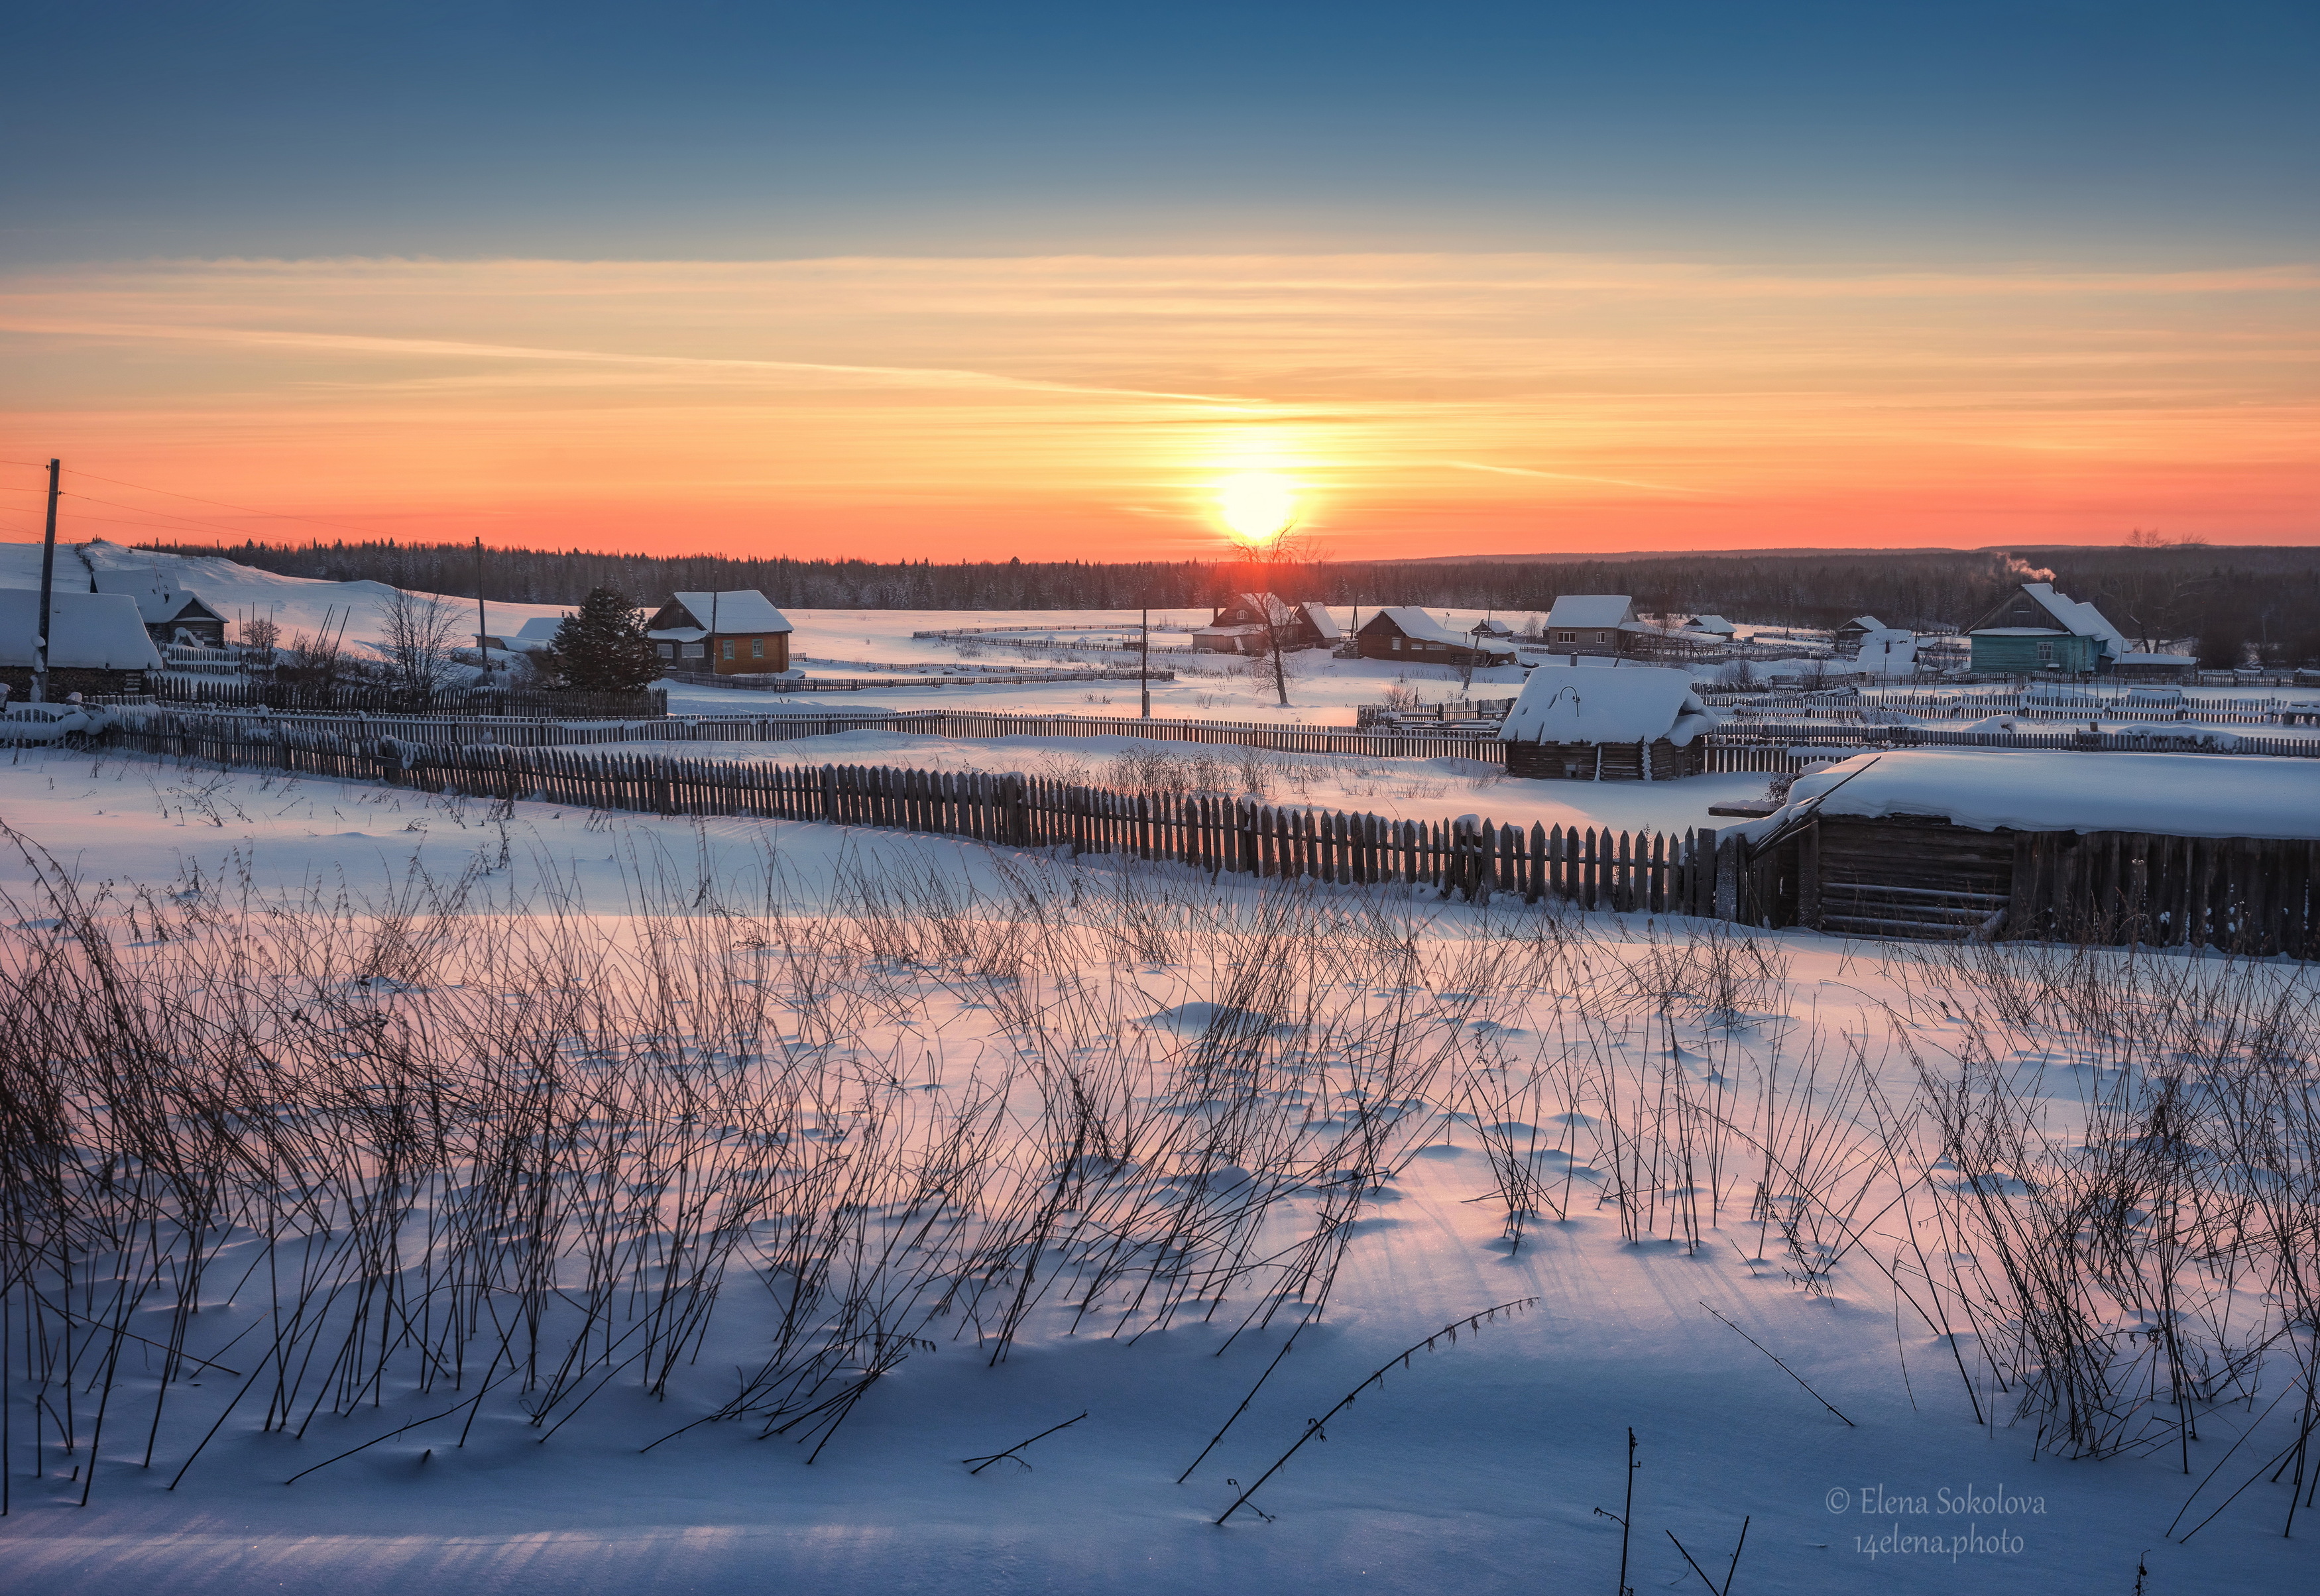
column 1607, row 723
column 535, row 635
column 1878, row 649
column 1713, row 626
column 732, row 633
column 1594, row 623
column 1241, row 626
column 97, row 642
column 2037, row 630
column 1407, row 634
column 171, row 614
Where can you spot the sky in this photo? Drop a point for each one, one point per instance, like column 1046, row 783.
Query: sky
column 1048, row 281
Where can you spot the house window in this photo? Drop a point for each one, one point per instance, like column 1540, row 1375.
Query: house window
column 728, row 648
column 667, row 650
column 1566, row 637
column 2045, row 653
column 1602, row 637
column 695, row 651
column 1397, row 645
column 757, row 648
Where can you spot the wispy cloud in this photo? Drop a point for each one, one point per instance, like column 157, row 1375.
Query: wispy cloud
column 1656, row 488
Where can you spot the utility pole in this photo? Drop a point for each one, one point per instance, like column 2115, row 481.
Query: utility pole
column 483, row 657
column 1144, row 664
column 47, row 589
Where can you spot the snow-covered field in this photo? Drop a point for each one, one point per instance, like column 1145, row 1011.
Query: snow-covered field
column 556, row 1123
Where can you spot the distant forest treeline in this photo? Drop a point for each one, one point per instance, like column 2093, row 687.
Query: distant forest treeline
column 2266, row 597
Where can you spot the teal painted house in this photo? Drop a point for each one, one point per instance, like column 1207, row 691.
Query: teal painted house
column 2036, row 632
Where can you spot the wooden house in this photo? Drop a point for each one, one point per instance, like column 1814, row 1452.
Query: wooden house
column 1248, row 623
column 1957, row 844
column 1598, row 624
column 171, row 614
column 2035, row 631
column 733, row 634
column 97, row 642
column 1614, row 722
column 1407, row 634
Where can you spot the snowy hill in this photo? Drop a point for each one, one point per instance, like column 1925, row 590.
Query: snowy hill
column 295, row 604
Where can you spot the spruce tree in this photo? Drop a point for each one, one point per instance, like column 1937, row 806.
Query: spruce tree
column 602, row 648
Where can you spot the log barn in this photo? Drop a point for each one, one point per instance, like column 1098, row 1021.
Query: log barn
column 1607, row 721
column 1955, row 845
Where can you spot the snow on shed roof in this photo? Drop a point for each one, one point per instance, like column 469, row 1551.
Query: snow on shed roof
column 92, row 630
column 1323, row 622
column 1576, row 703
column 159, row 598
column 539, row 628
column 1416, row 622
column 2059, row 790
column 1591, row 609
column 1715, row 623
column 2074, row 616
column 742, row 608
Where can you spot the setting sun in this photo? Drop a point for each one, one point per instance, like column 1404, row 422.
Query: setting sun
column 1256, row 507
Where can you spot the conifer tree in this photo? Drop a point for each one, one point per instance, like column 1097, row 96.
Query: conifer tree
column 602, row 648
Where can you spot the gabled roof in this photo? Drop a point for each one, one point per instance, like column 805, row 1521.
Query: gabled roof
column 1863, row 623
column 540, row 629
column 1414, row 622
column 1713, row 623
column 735, row 610
column 1579, row 704
column 2066, row 614
column 92, row 631
column 1602, row 610
column 1323, row 623
column 160, row 600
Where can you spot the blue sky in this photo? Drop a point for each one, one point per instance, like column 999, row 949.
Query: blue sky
column 2175, row 132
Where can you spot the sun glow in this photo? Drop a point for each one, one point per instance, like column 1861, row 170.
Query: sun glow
column 1256, row 507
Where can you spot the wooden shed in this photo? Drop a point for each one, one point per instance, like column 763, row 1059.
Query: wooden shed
column 1607, row 722
column 1405, row 633
column 1955, row 845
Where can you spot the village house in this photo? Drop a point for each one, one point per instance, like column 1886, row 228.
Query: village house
column 171, row 614
column 1603, row 724
column 1594, row 623
column 1407, row 634
column 733, row 634
column 2037, row 630
column 97, row 642
column 1710, row 626
column 1240, row 626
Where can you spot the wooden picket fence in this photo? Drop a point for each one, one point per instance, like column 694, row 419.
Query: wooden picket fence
column 1659, row 872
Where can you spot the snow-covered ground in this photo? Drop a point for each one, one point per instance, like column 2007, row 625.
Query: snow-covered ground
column 1485, row 1464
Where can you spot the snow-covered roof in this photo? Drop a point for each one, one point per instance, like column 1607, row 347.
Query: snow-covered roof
column 1579, row 704
column 2074, row 616
column 92, row 631
column 737, row 609
column 1323, row 623
column 159, row 600
column 1417, row 623
column 1604, row 611
column 2059, row 790
column 1711, row 623
column 539, row 628
column 2183, row 661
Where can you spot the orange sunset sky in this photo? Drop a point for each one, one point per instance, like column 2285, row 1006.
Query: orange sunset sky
column 345, row 312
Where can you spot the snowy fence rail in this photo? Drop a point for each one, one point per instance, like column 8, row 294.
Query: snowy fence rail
column 1003, row 677
column 2054, row 704
column 1659, row 873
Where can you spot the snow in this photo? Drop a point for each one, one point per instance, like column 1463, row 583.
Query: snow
column 1602, row 610
column 743, row 609
column 1480, row 1467
column 1627, row 704
column 93, row 630
column 1990, row 790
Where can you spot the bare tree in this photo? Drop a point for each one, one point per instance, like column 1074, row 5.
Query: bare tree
column 260, row 631
column 421, row 632
column 1267, row 561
